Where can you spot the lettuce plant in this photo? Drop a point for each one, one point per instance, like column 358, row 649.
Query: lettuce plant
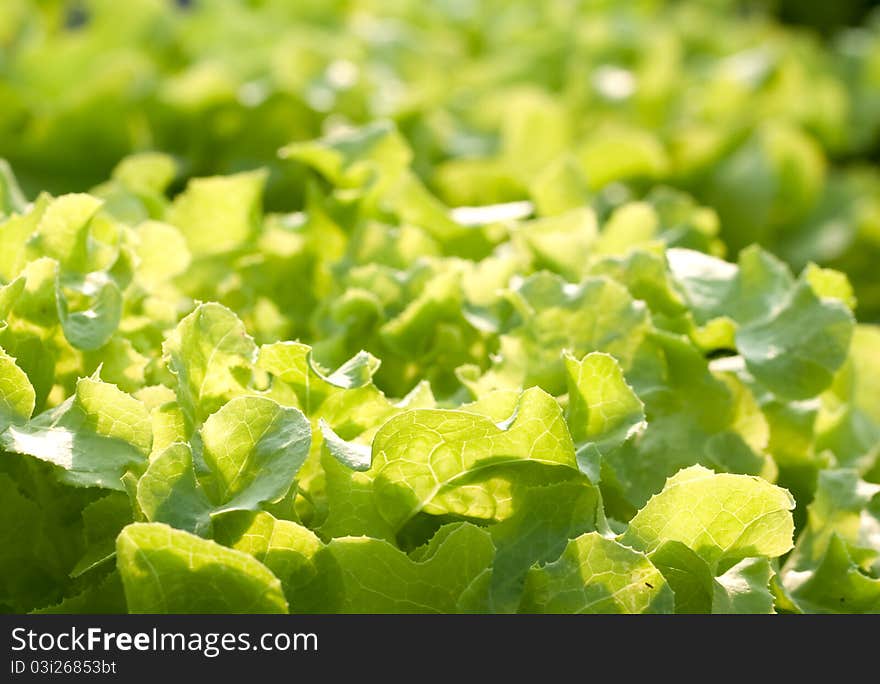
column 556, row 102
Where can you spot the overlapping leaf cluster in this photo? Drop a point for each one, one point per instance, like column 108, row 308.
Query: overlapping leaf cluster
column 381, row 404
column 500, row 100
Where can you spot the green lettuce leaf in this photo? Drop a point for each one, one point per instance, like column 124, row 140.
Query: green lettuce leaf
column 545, row 519
column 165, row 570
column 597, row 575
column 168, row 492
column 219, row 214
column 723, row 518
column 212, row 356
column 603, row 410
column 793, row 339
column 93, row 437
column 17, row 398
column 375, row 577
column 443, row 462
column 289, row 550
column 252, row 450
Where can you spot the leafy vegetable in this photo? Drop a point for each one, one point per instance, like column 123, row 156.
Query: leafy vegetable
column 166, row 570
column 447, row 329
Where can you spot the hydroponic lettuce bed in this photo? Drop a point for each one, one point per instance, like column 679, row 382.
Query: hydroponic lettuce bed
column 551, row 416
column 557, row 396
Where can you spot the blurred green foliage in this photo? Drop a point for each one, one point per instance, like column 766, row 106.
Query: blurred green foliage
column 500, row 100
